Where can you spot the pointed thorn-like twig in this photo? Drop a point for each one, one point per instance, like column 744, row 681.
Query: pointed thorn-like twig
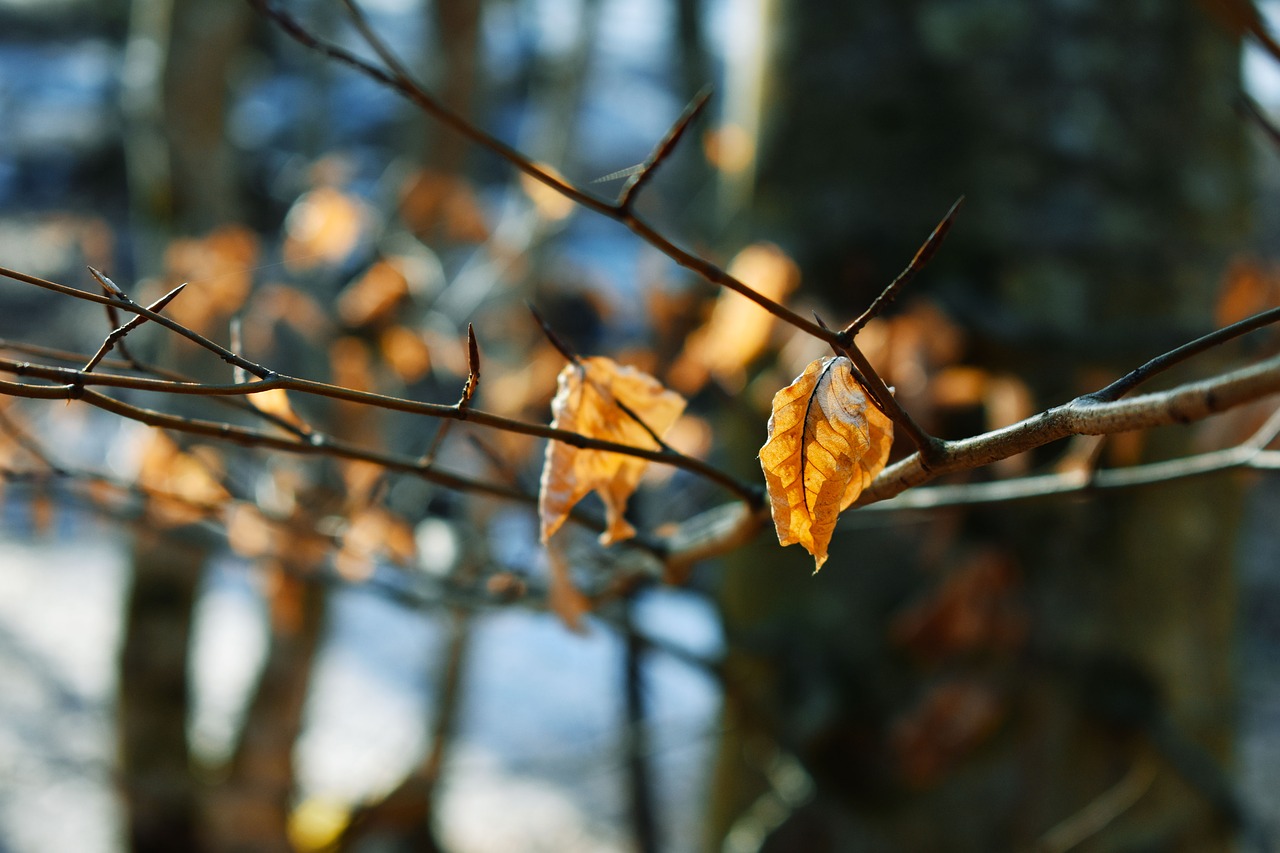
column 117, row 334
column 428, row 457
column 663, row 149
column 473, row 369
column 556, row 341
column 921, row 258
column 113, row 320
column 108, row 285
column 621, row 173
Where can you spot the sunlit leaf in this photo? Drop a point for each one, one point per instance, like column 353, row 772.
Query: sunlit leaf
column 737, row 330
column 404, row 350
column 552, row 204
column 219, row 270
column 586, row 402
column 434, row 201
column 563, row 598
column 322, row 227
column 373, row 296
column 183, row 487
column 827, row 442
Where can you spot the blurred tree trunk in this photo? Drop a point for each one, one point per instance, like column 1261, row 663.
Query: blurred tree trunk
column 182, row 180
column 249, row 810
column 1105, row 178
column 161, row 796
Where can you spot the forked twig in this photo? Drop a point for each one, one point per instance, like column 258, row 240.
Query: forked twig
column 115, row 338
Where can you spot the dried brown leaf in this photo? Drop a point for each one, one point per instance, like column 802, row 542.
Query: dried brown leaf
column 826, row 443
column 183, row 487
column 563, row 598
column 737, row 330
column 323, row 227
column 372, row 297
column 404, row 350
column 437, row 200
column 586, row 402
column 275, row 401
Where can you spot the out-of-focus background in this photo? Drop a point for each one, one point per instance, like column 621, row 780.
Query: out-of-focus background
column 295, row 654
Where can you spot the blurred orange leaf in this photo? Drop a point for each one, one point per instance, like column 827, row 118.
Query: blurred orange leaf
column 372, row 533
column 219, row 268
column 406, row 353
column 248, row 532
column 274, row 401
column 552, row 204
column 729, row 148
column 373, row 296
column 322, row 227
column 976, row 608
column 586, row 402
column 737, row 330
column 950, row 721
column 432, row 200
column 1246, row 289
column 826, row 443
column 184, row 486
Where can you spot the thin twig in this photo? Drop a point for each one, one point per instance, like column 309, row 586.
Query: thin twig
column 129, row 305
column 561, row 346
column 922, row 256
column 430, row 105
column 69, row 357
column 117, row 335
column 113, row 319
column 271, row 379
column 644, row 828
column 1161, row 363
column 464, row 401
column 663, row 150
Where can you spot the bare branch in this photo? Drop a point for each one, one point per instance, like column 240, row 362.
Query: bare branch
column 1083, row 416
column 922, row 256
column 1161, row 363
column 122, row 301
column 663, row 150
column 613, row 210
column 116, row 336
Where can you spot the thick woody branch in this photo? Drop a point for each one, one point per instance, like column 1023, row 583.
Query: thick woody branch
column 1083, row 416
column 902, row 485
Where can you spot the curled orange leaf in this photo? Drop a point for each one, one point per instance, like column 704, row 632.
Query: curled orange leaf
column 587, row 402
column 827, row 442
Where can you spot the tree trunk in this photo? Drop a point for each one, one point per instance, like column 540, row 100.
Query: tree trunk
column 1105, row 182
column 160, row 794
